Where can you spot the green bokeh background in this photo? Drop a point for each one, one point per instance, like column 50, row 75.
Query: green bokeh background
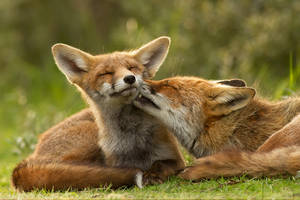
column 255, row 40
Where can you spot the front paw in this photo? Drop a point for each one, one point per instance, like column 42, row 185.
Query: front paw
column 150, row 178
column 189, row 173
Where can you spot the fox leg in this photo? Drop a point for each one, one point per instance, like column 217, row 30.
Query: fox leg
column 280, row 154
column 32, row 175
column 280, row 161
column 161, row 170
column 289, row 135
column 221, row 164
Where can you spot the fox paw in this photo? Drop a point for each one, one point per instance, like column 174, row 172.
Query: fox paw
column 188, row 173
column 152, row 179
column 143, row 179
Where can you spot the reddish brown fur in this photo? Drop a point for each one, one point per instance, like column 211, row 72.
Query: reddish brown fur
column 264, row 136
column 280, row 161
column 109, row 68
column 68, row 155
column 62, row 176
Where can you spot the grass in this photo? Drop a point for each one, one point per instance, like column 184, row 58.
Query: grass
column 36, row 103
column 175, row 188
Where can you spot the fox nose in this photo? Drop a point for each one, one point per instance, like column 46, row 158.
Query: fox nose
column 130, row 79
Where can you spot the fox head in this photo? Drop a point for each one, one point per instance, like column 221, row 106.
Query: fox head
column 113, row 77
column 184, row 104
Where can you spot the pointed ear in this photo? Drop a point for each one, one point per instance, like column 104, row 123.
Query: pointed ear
column 233, row 82
column 153, row 54
column 71, row 61
column 226, row 99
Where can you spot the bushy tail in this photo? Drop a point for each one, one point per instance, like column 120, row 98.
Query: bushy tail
column 284, row 160
column 28, row 176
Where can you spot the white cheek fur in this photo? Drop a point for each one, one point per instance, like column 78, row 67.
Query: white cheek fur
column 176, row 120
column 119, row 85
column 106, row 88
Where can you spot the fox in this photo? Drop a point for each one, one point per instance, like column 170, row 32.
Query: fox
column 226, row 126
column 111, row 143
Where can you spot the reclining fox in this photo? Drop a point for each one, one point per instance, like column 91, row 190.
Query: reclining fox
column 113, row 142
column 224, row 121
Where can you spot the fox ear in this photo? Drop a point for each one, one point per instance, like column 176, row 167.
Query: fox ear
column 153, row 54
column 226, row 99
column 70, row 61
column 233, row 82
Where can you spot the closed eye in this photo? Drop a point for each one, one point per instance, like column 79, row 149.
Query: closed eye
column 106, row 73
column 132, row 68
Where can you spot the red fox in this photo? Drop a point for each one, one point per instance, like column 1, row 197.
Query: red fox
column 221, row 123
column 112, row 142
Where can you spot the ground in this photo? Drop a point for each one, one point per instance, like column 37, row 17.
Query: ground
column 175, row 188
column 24, row 117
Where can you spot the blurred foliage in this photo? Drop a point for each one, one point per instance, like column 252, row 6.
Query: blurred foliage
column 256, row 40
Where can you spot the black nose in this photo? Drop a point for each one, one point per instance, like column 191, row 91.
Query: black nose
column 129, row 79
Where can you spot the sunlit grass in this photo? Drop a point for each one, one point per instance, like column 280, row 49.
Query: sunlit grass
column 175, row 188
column 36, row 104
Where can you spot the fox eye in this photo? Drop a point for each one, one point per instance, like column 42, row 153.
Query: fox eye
column 106, row 73
column 132, row 68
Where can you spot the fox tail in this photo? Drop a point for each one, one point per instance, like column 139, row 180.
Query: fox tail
column 30, row 175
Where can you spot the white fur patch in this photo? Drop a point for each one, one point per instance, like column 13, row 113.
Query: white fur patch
column 120, row 85
column 139, row 80
column 139, row 179
column 106, row 88
column 298, row 174
column 81, row 63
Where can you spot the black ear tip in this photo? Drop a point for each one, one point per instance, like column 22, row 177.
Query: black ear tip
column 239, row 83
column 234, row 82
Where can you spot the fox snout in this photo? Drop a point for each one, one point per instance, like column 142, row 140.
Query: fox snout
column 127, row 85
column 130, row 79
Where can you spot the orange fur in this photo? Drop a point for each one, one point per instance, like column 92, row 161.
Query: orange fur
column 112, row 142
column 226, row 127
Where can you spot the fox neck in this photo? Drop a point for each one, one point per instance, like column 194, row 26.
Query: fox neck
column 106, row 115
column 185, row 127
column 123, row 130
column 248, row 127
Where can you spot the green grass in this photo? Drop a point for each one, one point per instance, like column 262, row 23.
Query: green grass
column 38, row 102
column 175, row 188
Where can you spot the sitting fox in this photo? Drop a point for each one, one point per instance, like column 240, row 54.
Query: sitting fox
column 222, row 123
column 112, row 142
